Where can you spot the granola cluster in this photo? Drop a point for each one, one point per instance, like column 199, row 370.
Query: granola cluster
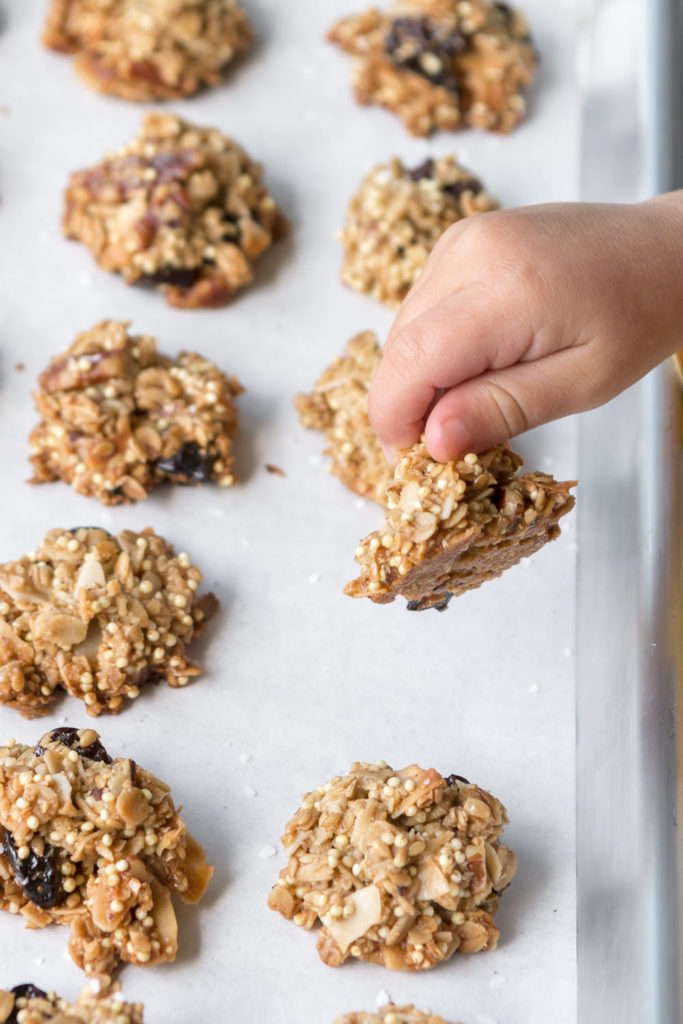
column 117, row 417
column 451, row 526
column 180, row 207
column 392, row 1014
column 157, row 50
column 28, row 1004
column 402, row 869
column 96, row 844
column 441, row 64
column 97, row 616
column 397, row 217
column 338, row 405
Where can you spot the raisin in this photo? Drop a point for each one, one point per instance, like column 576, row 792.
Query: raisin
column 26, row 991
column 69, row 737
column 422, row 605
column 472, row 185
column 425, row 170
column 189, row 465
column 422, row 46
column 179, row 277
column 452, row 779
column 38, row 876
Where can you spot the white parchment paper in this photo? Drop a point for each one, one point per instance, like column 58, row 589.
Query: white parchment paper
column 299, row 680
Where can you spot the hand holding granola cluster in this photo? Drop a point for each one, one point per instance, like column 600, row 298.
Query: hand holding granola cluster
column 402, row 869
column 162, row 49
column 28, row 1004
column 180, row 207
column 96, row 844
column 97, row 616
column 441, row 64
column 118, row 417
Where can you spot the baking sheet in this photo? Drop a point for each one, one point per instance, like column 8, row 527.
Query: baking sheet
column 299, row 680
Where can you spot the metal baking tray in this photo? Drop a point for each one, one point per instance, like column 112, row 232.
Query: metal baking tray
column 629, row 585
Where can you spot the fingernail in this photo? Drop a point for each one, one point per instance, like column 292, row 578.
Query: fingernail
column 391, row 454
column 455, row 438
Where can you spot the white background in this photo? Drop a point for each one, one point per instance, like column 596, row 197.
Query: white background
column 299, row 680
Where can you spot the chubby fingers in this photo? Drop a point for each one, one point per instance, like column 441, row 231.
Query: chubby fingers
column 449, row 343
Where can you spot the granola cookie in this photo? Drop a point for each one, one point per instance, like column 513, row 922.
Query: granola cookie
column 392, row 1014
column 97, row 616
column 117, row 417
column 402, row 869
column 159, row 50
column 397, row 217
column 338, row 405
column 451, row 526
column 180, row 207
column 38, row 1007
column 97, row 844
column 441, row 64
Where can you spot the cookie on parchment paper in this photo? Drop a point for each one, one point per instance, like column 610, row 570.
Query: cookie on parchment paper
column 159, row 50
column 28, row 1004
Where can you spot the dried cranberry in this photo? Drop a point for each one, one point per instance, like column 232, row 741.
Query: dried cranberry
column 180, row 277
column 452, row 779
column 69, row 737
column 422, row 46
column 189, row 465
column 38, row 876
column 26, row 991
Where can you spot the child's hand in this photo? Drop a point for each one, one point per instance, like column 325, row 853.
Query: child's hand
column 523, row 316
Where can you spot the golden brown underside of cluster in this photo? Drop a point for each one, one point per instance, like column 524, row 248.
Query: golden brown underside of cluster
column 96, row 844
column 397, row 217
column 30, row 1005
column 450, row 527
column 338, row 405
column 97, row 616
column 402, row 869
column 162, row 49
column 118, row 418
column 441, row 64
column 392, row 1014
column 181, row 208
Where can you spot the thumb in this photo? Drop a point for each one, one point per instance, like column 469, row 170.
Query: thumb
column 490, row 409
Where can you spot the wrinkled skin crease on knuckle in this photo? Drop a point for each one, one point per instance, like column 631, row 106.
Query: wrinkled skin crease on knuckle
column 510, row 410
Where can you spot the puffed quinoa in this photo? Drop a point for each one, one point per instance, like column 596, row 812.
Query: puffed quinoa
column 110, row 883
column 397, row 217
column 420, row 874
column 441, row 64
column 118, row 417
column 87, row 612
column 162, row 49
column 451, row 526
column 180, row 207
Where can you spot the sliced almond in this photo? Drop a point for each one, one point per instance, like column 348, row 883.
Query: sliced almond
column 91, row 575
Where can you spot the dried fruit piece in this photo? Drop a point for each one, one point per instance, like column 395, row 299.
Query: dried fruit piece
column 118, row 418
column 397, row 217
column 338, row 405
column 181, row 207
column 400, row 868
column 102, row 641
column 450, row 527
column 27, row 1004
column 161, row 50
column 98, row 846
column 441, row 64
